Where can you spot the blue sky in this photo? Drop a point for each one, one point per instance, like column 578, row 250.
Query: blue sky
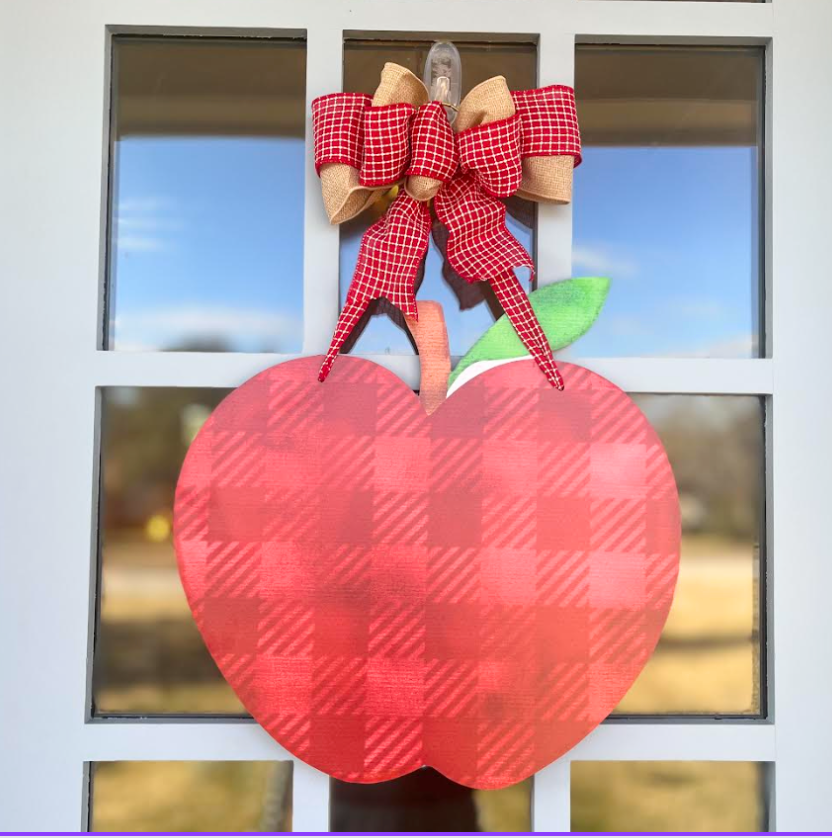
column 209, row 239
column 676, row 230
column 210, row 245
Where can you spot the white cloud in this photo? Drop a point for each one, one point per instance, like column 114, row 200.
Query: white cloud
column 140, row 244
column 597, row 260
column 739, row 346
column 701, row 308
column 145, row 205
column 142, row 224
column 213, row 320
column 628, row 326
column 182, row 324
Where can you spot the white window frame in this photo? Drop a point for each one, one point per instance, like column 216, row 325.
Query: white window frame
column 54, row 100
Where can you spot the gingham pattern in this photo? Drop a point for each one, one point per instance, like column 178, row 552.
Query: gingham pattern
column 474, row 591
column 386, row 144
column 337, row 128
column 434, row 149
column 490, row 165
column 480, row 246
column 492, row 153
column 519, row 311
column 388, row 261
column 549, row 121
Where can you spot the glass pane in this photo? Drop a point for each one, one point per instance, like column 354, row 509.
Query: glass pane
column 192, row 797
column 668, row 200
column 207, row 186
column 668, row 796
column 708, row 657
column 469, row 308
column 425, row 801
column 149, row 655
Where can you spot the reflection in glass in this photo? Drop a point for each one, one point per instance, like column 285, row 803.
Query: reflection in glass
column 207, row 185
column 425, row 801
column 149, row 656
column 708, row 657
column 191, row 797
column 469, row 308
column 668, row 796
column 667, row 201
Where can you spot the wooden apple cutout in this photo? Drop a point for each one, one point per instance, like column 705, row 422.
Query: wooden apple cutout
column 473, row 590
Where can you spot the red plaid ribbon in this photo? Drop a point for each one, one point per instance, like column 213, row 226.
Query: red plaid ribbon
column 434, row 151
column 550, row 121
column 387, row 143
column 476, row 167
column 337, row 128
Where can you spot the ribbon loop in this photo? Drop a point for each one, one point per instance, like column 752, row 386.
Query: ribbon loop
column 434, row 150
column 337, row 128
column 386, row 144
column 492, row 153
column 549, row 121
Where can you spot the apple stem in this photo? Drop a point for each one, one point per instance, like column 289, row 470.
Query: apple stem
column 431, row 338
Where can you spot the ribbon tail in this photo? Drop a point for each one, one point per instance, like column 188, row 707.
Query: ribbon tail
column 350, row 315
column 388, row 263
column 519, row 311
column 480, row 247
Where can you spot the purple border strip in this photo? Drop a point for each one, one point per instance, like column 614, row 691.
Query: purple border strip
column 417, row 833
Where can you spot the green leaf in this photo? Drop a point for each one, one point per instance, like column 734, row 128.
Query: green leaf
column 565, row 310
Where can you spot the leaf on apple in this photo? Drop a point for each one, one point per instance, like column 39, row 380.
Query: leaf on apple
column 565, row 310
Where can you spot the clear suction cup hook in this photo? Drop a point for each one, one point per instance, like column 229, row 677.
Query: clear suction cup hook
column 443, row 76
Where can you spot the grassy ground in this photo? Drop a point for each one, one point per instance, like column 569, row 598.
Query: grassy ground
column 663, row 796
column 192, row 796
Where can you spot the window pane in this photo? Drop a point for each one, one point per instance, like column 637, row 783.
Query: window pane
column 708, row 657
column 425, row 801
column 149, row 655
column 469, row 308
column 192, row 797
column 207, row 186
column 668, row 796
column 667, row 201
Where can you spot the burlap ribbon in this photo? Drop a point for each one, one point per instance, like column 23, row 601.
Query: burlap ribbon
column 503, row 143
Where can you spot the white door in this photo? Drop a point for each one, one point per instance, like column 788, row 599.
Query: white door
column 158, row 194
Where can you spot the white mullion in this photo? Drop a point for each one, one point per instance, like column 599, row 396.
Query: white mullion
column 553, row 258
column 634, row 19
column 321, row 299
column 217, row 739
column 556, row 62
column 672, row 21
column 551, row 797
column 706, row 741
column 688, row 21
column 636, row 375
column 310, row 799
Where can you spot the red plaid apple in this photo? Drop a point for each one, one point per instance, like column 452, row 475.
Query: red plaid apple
column 473, row 589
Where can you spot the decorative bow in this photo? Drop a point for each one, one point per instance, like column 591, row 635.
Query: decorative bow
column 525, row 143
